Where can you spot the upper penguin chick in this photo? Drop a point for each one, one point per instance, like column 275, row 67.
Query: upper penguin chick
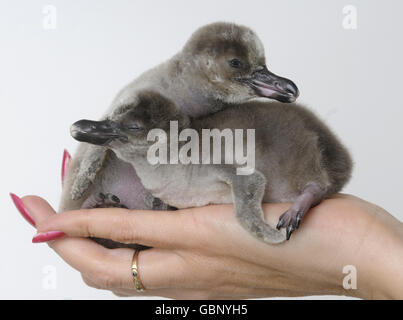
column 230, row 60
column 221, row 63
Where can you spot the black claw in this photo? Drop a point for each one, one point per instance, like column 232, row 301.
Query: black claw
column 280, row 222
column 300, row 215
column 108, row 200
column 299, row 219
column 290, row 230
column 157, row 203
column 288, row 236
column 115, row 199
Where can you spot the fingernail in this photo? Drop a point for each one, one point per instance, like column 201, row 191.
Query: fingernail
column 65, row 163
column 47, row 236
column 21, row 208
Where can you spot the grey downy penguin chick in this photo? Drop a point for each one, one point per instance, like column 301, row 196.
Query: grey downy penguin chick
column 221, row 63
column 298, row 159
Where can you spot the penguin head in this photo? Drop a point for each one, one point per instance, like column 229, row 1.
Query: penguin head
column 230, row 61
column 127, row 129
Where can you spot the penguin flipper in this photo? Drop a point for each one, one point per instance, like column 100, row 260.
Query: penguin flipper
column 90, row 165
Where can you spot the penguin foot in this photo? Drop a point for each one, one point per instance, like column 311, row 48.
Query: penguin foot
column 291, row 219
column 108, row 200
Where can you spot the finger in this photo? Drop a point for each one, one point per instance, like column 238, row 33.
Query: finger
column 161, row 272
column 65, row 163
column 112, row 268
column 83, row 255
column 22, row 209
column 149, row 228
column 38, row 208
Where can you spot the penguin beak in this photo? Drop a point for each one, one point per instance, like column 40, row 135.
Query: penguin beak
column 97, row 132
column 267, row 84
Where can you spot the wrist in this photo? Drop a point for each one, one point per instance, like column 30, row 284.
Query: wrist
column 374, row 247
column 388, row 274
column 382, row 276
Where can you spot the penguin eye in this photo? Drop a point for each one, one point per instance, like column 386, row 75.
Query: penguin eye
column 134, row 126
column 235, row 63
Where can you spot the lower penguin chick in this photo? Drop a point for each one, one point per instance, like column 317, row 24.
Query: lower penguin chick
column 297, row 158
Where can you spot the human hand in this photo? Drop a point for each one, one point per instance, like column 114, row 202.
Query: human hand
column 204, row 253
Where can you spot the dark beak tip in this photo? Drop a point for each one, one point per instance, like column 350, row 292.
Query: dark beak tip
column 74, row 131
column 269, row 85
column 290, row 88
column 73, row 128
column 293, row 89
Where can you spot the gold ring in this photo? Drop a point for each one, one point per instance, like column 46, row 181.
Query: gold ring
column 138, row 285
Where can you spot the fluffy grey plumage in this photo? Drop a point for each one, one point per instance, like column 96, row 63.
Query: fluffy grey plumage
column 221, row 63
column 298, row 159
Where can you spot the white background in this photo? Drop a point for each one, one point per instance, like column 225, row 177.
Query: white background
column 51, row 78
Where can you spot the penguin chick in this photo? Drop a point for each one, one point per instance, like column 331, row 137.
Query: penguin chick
column 298, row 159
column 221, row 63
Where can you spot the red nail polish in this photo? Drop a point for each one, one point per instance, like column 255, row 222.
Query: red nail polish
column 21, row 208
column 47, row 236
column 65, row 163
